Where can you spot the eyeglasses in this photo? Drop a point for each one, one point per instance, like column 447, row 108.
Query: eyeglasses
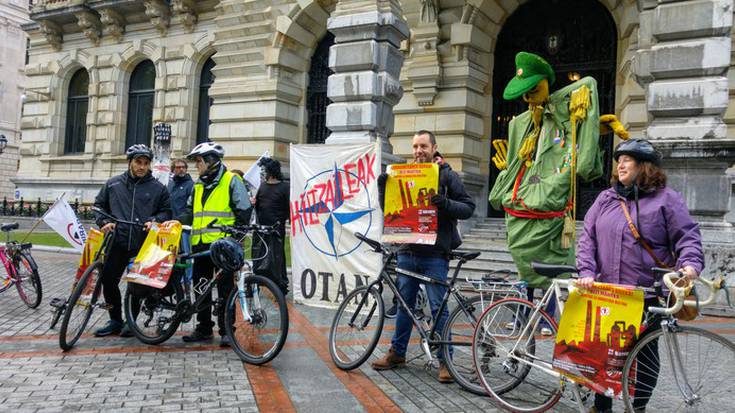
column 180, row 167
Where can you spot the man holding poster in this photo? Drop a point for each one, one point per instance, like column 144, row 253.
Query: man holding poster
column 452, row 203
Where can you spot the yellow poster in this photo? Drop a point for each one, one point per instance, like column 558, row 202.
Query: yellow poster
column 597, row 330
column 157, row 256
column 91, row 246
column 409, row 216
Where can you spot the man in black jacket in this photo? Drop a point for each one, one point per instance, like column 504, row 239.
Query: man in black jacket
column 180, row 187
column 453, row 203
column 132, row 196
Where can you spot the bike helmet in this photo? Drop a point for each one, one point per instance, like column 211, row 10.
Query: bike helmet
column 640, row 149
column 227, row 254
column 206, row 149
column 138, row 150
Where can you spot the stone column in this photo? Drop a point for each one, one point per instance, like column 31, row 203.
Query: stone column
column 683, row 61
column 366, row 60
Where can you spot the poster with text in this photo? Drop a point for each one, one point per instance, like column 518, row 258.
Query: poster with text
column 155, row 261
column 410, row 218
column 92, row 244
column 597, row 330
column 334, row 195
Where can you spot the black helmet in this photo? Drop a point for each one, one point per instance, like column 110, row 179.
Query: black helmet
column 138, row 150
column 227, row 254
column 640, row 149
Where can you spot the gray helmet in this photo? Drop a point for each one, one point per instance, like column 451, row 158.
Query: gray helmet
column 138, row 150
column 207, row 148
column 640, row 149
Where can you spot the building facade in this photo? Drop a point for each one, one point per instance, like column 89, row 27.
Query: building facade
column 13, row 14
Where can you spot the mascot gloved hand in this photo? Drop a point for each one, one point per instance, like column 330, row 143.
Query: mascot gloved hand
column 500, row 159
column 611, row 123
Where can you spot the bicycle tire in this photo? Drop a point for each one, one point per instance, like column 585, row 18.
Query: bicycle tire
column 340, row 355
column 149, row 306
column 65, row 343
column 721, row 384
column 245, row 336
column 468, row 380
column 34, row 278
column 511, row 384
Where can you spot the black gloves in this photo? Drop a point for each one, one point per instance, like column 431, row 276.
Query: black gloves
column 439, row 201
column 382, row 178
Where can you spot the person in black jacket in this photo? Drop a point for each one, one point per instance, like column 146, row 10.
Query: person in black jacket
column 132, row 196
column 180, row 187
column 452, row 203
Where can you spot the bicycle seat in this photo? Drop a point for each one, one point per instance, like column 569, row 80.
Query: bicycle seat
column 553, row 270
column 9, row 227
column 464, row 256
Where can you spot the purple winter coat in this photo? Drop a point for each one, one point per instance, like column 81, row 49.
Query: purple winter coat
column 607, row 250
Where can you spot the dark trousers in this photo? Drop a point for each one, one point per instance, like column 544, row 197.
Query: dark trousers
column 646, row 372
column 115, row 263
column 204, row 269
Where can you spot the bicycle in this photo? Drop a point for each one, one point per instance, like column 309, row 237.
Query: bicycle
column 20, row 268
column 514, row 360
column 256, row 315
column 352, row 340
column 77, row 309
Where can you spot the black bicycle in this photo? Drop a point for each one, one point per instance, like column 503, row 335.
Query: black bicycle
column 77, row 310
column 358, row 324
column 256, row 315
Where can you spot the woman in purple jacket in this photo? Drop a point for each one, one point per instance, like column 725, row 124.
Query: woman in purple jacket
column 609, row 252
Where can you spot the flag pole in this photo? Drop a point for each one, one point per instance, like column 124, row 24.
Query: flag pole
column 38, row 221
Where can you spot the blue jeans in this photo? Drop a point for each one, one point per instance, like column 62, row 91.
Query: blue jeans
column 433, row 267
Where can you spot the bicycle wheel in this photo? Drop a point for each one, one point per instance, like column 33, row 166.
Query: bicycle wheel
column 356, row 328
column 28, row 282
column 157, row 316
column 260, row 339
column 706, row 363
column 461, row 324
column 80, row 306
column 509, row 351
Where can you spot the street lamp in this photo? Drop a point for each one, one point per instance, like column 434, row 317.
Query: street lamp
column 3, row 143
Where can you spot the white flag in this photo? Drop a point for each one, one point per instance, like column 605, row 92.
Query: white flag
column 62, row 219
column 252, row 176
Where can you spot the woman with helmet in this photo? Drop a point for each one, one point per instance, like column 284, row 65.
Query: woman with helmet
column 134, row 196
column 666, row 236
column 220, row 197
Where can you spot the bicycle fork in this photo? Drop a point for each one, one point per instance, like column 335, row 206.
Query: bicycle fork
column 672, row 347
column 243, row 299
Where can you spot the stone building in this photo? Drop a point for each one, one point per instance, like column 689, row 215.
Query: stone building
column 256, row 75
column 13, row 14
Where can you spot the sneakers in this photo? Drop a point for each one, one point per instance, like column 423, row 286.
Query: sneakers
column 225, row 341
column 391, row 360
column 197, row 336
column 392, row 312
column 126, row 331
column 111, row 328
column 444, row 375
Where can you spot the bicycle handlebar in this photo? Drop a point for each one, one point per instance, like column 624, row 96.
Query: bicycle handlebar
column 681, row 292
column 116, row 220
column 242, row 230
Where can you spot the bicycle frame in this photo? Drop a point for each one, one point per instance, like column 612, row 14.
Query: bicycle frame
column 7, row 262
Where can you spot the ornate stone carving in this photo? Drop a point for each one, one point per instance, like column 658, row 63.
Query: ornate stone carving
column 114, row 23
column 187, row 13
column 159, row 13
column 52, row 31
column 428, row 11
column 425, row 69
column 90, row 25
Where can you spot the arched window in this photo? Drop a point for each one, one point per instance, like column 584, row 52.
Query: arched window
column 316, row 92
column 140, row 104
column 76, row 112
column 205, row 102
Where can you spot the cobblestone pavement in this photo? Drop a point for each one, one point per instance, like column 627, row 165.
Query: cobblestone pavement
column 121, row 374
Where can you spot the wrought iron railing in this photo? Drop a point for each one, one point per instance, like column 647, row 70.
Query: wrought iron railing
column 23, row 208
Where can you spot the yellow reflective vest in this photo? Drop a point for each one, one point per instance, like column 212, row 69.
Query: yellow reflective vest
column 216, row 208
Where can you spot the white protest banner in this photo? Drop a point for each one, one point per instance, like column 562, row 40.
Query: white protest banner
column 62, row 219
column 252, row 175
column 334, row 194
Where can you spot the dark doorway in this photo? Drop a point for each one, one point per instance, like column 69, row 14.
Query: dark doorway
column 578, row 38
column 76, row 112
column 205, row 102
column 140, row 104
column 316, row 92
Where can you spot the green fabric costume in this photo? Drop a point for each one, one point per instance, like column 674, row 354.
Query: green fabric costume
column 545, row 186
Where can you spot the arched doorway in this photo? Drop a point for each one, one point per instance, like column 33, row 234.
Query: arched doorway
column 316, row 92
column 140, row 104
column 76, row 113
column 578, row 38
column 206, row 80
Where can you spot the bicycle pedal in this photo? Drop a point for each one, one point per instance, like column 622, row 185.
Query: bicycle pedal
column 58, row 302
column 104, row 306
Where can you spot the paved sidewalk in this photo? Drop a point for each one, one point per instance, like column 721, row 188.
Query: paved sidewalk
column 121, row 374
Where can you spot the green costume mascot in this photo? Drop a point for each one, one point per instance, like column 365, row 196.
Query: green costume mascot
column 550, row 144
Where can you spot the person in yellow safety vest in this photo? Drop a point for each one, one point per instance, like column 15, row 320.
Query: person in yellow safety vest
column 221, row 196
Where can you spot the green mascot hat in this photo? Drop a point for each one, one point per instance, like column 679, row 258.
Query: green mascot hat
column 530, row 69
